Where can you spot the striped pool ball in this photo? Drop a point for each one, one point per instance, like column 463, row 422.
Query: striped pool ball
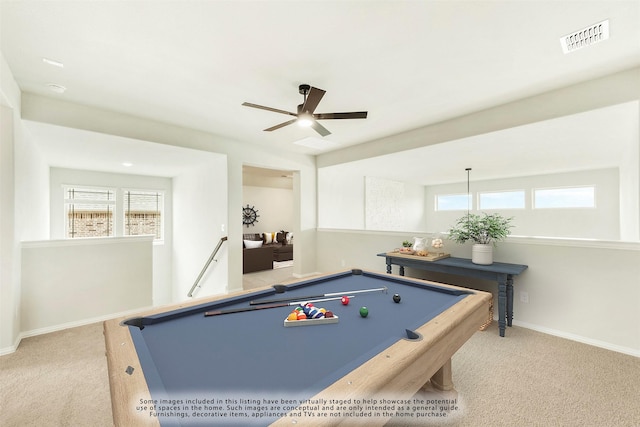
column 301, row 315
column 312, row 312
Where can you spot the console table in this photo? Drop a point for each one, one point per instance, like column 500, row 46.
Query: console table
column 500, row 272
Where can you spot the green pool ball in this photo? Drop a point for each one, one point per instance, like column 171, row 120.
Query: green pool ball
column 364, row 311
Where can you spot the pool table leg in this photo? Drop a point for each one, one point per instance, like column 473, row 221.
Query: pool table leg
column 442, row 379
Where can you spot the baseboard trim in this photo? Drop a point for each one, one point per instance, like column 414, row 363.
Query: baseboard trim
column 303, row 276
column 13, row 348
column 68, row 325
column 579, row 338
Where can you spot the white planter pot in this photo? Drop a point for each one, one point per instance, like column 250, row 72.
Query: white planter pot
column 482, row 254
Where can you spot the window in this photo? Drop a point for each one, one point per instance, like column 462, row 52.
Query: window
column 89, row 212
column 453, row 202
column 143, row 213
column 502, row 200
column 569, row 197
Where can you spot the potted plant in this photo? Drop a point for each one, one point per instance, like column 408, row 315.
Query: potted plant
column 485, row 230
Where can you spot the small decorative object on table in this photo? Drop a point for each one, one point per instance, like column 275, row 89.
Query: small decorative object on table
column 407, row 248
column 437, row 243
column 420, row 246
column 420, row 249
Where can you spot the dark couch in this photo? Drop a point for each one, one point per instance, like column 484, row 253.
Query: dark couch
column 282, row 252
column 258, row 259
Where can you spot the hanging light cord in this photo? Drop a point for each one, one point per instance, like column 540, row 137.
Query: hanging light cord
column 468, row 195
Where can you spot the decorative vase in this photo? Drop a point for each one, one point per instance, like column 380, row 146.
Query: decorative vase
column 482, row 254
column 437, row 243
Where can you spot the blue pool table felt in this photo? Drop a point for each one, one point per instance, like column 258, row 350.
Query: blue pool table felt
column 182, row 352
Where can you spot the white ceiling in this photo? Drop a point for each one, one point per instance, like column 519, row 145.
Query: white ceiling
column 408, row 63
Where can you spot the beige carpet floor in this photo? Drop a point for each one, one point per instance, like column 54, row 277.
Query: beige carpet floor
column 525, row 379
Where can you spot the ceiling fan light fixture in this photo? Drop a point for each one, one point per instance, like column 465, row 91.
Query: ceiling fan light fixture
column 305, row 120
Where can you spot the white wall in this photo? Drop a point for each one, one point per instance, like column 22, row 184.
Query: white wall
column 200, row 220
column 274, row 205
column 24, row 206
column 161, row 251
column 9, row 257
column 67, row 283
column 587, row 293
column 346, row 188
column 32, row 190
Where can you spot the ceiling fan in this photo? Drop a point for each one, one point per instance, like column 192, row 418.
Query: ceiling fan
column 305, row 115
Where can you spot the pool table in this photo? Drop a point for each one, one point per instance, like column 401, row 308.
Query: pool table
column 176, row 366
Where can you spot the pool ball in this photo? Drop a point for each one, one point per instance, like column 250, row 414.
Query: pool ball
column 328, row 314
column 345, row 300
column 364, row 312
column 396, row 298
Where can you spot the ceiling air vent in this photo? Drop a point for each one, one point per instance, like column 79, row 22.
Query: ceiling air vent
column 587, row 36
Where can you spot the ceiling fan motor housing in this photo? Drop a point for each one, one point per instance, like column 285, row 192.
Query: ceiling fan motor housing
column 304, row 89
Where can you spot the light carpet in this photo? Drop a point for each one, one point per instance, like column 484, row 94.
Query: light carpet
column 525, row 379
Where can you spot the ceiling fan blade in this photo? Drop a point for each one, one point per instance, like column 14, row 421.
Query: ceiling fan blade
column 320, row 129
column 262, row 107
column 313, row 99
column 329, row 116
column 280, row 125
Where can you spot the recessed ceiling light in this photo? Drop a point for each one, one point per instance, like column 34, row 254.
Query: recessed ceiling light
column 585, row 37
column 127, row 164
column 56, row 88
column 53, row 62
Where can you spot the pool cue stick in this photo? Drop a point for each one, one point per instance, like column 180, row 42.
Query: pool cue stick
column 270, row 301
column 261, row 307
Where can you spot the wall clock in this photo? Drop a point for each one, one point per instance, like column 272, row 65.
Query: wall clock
column 249, row 215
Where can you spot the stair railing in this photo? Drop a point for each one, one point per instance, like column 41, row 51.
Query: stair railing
column 211, row 258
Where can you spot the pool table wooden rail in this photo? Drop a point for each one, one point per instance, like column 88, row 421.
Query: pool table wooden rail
column 401, row 370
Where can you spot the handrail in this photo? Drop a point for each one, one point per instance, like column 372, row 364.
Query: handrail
column 213, row 254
